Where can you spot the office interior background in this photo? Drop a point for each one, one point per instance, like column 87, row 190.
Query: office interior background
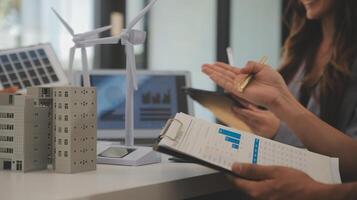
column 182, row 35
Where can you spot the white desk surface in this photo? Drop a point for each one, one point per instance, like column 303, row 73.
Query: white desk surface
column 158, row 181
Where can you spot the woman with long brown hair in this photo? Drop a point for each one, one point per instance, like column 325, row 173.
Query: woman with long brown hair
column 319, row 65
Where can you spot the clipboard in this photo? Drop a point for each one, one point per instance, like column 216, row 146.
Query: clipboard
column 220, row 104
column 204, row 143
column 189, row 158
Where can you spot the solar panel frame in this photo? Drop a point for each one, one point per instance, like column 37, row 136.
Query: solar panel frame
column 35, row 65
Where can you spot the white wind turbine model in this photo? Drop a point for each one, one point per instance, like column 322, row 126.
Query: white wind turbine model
column 130, row 154
column 81, row 41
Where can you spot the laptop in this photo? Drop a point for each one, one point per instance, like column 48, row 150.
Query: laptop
column 159, row 97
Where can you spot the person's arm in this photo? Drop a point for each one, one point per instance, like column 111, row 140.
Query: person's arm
column 264, row 123
column 268, row 89
column 285, row 135
column 317, row 135
column 271, row 182
column 351, row 127
column 344, row 191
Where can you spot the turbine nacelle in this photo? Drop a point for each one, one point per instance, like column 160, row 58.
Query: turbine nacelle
column 133, row 37
column 90, row 35
column 77, row 39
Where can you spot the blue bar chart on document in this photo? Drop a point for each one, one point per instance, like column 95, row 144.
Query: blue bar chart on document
column 231, row 137
column 236, row 144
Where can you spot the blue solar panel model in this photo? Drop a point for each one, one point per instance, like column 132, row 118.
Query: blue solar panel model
column 30, row 66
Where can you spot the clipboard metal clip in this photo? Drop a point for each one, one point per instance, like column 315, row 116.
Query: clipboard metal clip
column 171, row 135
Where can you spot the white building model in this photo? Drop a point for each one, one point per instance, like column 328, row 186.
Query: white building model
column 49, row 125
column 23, row 133
column 75, row 129
column 43, row 97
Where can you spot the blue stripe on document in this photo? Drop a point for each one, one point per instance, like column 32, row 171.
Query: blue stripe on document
column 255, row 151
column 232, row 140
column 229, row 133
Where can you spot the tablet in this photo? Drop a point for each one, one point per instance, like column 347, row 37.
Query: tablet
column 220, row 104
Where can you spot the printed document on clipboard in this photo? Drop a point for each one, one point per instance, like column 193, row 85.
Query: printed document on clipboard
column 218, row 147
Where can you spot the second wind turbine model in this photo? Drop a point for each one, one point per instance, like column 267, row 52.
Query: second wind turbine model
column 140, row 155
column 81, row 41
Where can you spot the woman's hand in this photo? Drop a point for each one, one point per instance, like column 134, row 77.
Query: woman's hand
column 270, row 182
column 262, row 122
column 265, row 89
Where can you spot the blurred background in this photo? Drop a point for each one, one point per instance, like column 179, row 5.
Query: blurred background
column 182, row 34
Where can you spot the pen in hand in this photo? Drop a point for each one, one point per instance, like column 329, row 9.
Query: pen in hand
column 242, row 85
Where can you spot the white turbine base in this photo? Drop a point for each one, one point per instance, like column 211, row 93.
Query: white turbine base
column 140, row 156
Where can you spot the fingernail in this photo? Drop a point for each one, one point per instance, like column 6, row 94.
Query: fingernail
column 237, row 167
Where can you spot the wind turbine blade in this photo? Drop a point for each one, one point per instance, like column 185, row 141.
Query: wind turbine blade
column 107, row 40
column 86, row 81
column 70, row 30
column 94, row 32
column 141, row 14
column 230, row 56
column 72, row 52
column 130, row 62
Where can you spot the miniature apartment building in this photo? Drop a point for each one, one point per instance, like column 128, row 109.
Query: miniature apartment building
column 23, row 133
column 43, row 97
column 74, row 128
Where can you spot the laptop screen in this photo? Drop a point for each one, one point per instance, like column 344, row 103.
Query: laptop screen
column 158, row 98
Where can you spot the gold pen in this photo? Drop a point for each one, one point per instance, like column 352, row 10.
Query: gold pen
column 242, row 85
